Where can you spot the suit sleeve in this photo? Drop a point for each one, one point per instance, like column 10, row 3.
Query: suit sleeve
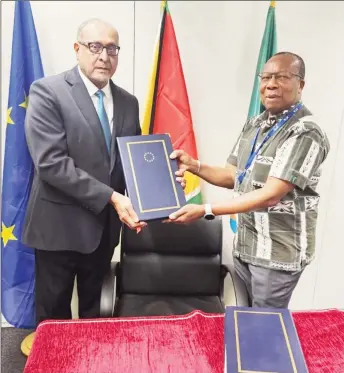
column 46, row 139
column 137, row 116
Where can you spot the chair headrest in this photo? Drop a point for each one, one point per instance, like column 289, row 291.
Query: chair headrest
column 201, row 237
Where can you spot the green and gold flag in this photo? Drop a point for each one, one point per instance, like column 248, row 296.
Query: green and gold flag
column 268, row 48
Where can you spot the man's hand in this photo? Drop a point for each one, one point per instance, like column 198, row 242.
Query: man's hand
column 185, row 163
column 219, row 176
column 181, row 180
column 126, row 212
column 186, row 214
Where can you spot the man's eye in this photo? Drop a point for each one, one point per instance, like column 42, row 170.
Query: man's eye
column 95, row 46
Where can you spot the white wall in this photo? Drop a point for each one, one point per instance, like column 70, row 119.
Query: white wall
column 219, row 44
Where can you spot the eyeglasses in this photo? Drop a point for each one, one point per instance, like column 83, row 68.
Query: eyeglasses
column 97, row 48
column 279, row 77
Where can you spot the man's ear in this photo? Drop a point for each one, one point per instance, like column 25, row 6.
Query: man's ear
column 76, row 49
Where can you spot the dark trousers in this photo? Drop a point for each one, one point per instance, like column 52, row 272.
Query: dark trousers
column 55, row 275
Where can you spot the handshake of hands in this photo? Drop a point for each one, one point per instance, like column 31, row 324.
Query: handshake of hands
column 188, row 213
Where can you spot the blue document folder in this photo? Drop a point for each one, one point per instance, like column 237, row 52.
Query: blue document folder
column 259, row 340
column 150, row 175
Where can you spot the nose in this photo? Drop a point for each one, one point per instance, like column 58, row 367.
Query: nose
column 272, row 83
column 104, row 56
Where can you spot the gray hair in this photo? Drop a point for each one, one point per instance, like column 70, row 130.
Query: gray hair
column 89, row 22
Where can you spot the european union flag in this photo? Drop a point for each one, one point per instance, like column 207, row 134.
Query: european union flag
column 18, row 261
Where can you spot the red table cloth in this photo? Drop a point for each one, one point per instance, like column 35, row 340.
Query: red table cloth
column 193, row 343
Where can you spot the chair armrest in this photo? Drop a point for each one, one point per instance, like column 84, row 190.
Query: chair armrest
column 233, row 289
column 108, row 291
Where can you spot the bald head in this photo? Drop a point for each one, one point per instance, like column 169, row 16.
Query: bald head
column 92, row 25
column 296, row 60
column 97, row 48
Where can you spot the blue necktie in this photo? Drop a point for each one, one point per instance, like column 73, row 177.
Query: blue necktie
column 104, row 120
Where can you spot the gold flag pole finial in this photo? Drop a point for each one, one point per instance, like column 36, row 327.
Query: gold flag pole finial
column 163, row 4
column 273, row 4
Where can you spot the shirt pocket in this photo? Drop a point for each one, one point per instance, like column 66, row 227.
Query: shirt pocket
column 260, row 171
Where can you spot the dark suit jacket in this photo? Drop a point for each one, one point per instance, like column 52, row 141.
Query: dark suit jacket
column 74, row 174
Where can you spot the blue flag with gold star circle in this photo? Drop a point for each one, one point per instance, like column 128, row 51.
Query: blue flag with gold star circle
column 18, row 260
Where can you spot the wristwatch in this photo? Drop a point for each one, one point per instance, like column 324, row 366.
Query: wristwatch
column 208, row 212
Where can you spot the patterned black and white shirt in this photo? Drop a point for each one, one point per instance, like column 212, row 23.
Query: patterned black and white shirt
column 282, row 236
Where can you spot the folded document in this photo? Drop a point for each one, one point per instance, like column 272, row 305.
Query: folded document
column 150, row 175
column 259, row 340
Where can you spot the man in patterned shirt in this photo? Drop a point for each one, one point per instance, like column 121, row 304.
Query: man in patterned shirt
column 274, row 170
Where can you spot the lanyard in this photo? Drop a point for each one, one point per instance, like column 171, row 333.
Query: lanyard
column 272, row 131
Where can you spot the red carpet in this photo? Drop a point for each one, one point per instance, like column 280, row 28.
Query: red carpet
column 178, row 344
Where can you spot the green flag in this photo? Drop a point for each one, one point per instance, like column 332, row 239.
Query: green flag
column 267, row 49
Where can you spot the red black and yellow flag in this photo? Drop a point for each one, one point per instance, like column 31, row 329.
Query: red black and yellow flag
column 167, row 106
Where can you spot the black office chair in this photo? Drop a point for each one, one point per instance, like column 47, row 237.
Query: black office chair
column 171, row 269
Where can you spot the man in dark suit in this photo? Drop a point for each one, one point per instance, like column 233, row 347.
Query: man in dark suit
column 77, row 200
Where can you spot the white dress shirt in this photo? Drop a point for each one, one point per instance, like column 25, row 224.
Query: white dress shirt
column 108, row 100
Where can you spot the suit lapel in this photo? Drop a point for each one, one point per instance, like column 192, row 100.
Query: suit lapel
column 117, row 121
column 86, row 106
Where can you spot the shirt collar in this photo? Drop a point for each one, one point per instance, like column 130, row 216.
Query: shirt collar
column 268, row 121
column 91, row 88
